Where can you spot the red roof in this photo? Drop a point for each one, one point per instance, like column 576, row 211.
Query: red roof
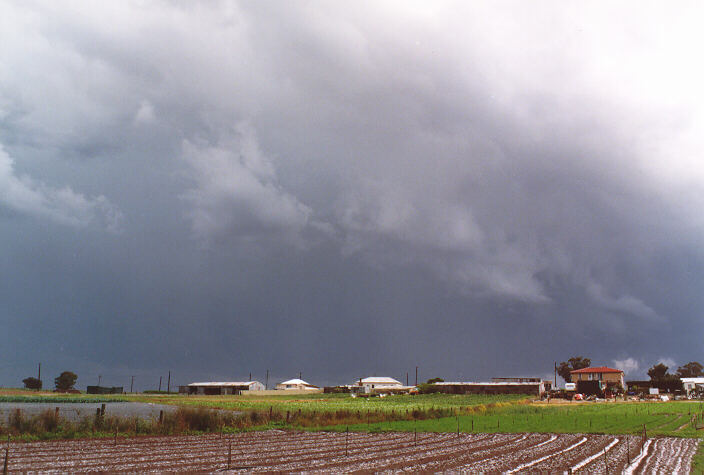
column 597, row 369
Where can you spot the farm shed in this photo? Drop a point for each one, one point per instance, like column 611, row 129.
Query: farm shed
column 296, row 384
column 219, row 388
column 508, row 387
column 104, row 390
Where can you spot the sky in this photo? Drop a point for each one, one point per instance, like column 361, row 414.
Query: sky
column 346, row 189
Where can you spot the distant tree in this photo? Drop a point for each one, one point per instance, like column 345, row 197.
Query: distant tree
column 435, row 380
column 65, row 381
column 692, row 369
column 658, row 372
column 32, row 383
column 574, row 363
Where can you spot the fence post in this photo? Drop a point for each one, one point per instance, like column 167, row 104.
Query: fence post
column 7, row 457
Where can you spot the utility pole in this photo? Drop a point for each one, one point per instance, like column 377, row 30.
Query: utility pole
column 99, row 377
column 416, row 375
column 160, row 383
column 250, row 377
column 555, row 375
column 132, row 384
column 39, row 375
column 300, row 375
column 266, row 384
column 406, row 378
column 168, row 383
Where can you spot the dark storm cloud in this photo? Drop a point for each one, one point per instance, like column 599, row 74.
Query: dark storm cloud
column 229, row 187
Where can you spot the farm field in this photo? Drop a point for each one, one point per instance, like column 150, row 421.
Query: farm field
column 304, row 402
column 674, row 419
column 276, row 450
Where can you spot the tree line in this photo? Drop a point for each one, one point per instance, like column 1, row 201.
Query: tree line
column 64, row 382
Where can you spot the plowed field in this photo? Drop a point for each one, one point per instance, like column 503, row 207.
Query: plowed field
column 361, row 452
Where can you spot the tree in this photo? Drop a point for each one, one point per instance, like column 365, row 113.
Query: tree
column 574, row 363
column 692, row 369
column 658, row 372
column 32, row 383
column 435, row 380
column 65, row 381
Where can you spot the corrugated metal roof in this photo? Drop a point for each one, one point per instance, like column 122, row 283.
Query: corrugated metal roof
column 225, row 383
column 296, row 381
column 380, row 380
column 597, row 369
column 457, row 383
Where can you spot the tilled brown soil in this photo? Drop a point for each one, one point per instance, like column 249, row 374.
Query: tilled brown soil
column 279, row 451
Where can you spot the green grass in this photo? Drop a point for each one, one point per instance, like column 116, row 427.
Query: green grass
column 698, row 461
column 659, row 419
column 78, row 398
column 333, row 402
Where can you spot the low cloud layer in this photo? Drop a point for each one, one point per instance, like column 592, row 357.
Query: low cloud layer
column 470, row 188
column 25, row 196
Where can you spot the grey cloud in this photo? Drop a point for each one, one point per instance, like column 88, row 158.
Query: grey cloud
column 63, row 205
column 472, row 181
column 236, row 191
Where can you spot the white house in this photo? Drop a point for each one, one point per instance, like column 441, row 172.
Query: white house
column 222, row 387
column 298, row 384
column 376, row 383
column 693, row 385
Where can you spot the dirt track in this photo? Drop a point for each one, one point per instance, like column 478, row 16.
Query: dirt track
column 359, row 452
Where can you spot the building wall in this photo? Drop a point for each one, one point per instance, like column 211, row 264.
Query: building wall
column 603, row 377
column 478, row 388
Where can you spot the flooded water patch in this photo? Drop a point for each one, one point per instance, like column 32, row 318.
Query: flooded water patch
column 77, row 411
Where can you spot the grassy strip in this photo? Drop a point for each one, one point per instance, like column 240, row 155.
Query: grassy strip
column 659, row 419
column 698, row 460
column 61, row 399
column 334, row 402
column 49, row 425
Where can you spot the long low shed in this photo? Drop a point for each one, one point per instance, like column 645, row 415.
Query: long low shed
column 219, row 388
column 531, row 388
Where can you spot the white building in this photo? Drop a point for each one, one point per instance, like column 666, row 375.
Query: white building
column 297, row 384
column 376, row 383
column 693, row 385
column 222, row 387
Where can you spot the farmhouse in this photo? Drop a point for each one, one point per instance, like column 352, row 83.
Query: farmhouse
column 598, row 379
column 380, row 384
column 693, row 385
column 296, row 384
column 219, row 388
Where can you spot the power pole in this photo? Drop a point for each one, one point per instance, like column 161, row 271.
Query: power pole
column 406, row 378
column 300, row 375
column 250, row 377
column 416, row 375
column 99, row 377
column 168, row 383
column 132, row 384
column 266, row 384
column 39, row 376
column 159, row 383
column 555, row 375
